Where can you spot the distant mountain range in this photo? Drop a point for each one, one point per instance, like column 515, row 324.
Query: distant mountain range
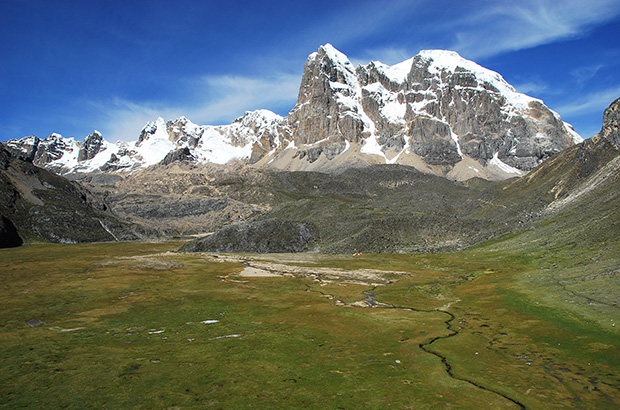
column 571, row 197
column 436, row 112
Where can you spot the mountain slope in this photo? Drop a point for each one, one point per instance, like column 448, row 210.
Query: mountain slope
column 36, row 205
column 577, row 171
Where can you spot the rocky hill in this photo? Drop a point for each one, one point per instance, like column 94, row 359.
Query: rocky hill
column 437, row 112
column 37, row 205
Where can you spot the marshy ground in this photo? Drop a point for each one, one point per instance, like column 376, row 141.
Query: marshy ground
column 137, row 325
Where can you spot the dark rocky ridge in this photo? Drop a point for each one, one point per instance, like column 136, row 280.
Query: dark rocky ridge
column 37, row 205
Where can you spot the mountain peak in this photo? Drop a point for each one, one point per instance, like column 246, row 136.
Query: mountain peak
column 453, row 62
column 397, row 72
column 329, row 52
column 439, row 54
column 260, row 114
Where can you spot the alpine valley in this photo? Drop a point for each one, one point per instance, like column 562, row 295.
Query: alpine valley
column 414, row 236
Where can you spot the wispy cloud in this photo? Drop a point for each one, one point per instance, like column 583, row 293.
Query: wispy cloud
column 488, row 28
column 215, row 100
column 363, row 21
column 584, row 73
column 510, row 25
column 122, row 120
column 593, row 103
column 532, row 87
column 230, row 95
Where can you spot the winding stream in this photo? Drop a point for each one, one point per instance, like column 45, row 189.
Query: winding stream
column 426, row 346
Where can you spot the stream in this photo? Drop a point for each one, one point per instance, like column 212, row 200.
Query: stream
column 426, row 346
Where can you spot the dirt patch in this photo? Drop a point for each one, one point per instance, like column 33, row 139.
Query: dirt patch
column 252, row 272
column 255, row 266
column 148, row 262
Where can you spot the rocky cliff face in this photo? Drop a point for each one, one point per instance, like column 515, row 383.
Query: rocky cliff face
column 437, row 112
column 93, row 144
column 611, row 125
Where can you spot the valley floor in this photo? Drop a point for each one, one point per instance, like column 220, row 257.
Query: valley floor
column 139, row 325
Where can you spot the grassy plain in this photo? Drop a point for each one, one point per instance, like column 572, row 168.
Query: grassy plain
column 134, row 325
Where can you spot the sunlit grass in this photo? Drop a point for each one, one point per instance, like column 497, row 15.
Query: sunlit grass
column 132, row 325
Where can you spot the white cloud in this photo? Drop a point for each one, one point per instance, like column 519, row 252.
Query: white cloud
column 509, row 26
column 486, row 28
column 360, row 22
column 584, row 73
column 123, row 120
column 593, row 103
column 214, row 100
column 233, row 95
column 531, row 88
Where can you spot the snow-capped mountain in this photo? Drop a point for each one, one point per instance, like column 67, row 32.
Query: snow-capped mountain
column 249, row 137
column 436, row 111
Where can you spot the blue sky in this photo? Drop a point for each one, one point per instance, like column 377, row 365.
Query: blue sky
column 74, row 66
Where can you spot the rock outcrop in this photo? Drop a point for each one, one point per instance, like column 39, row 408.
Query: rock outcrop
column 179, row 155
column 268, row 236
column 611, row 125
column 91, row 147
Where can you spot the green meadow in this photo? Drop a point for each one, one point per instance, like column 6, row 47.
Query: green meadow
column 140, row 326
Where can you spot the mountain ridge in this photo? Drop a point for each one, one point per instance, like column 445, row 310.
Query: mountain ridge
column 377, row 208
column 436, row 111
